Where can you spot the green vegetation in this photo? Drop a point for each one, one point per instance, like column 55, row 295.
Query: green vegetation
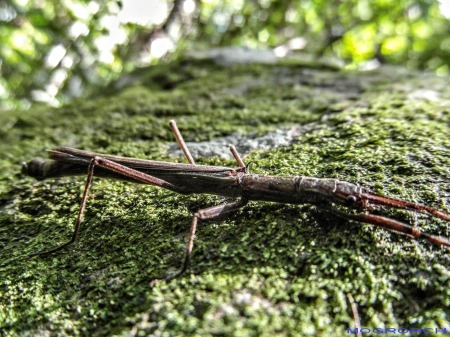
column 53, row 51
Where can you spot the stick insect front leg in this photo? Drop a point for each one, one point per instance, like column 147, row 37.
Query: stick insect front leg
column 391, row 224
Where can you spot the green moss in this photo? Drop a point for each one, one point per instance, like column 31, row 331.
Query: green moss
column 268, row 269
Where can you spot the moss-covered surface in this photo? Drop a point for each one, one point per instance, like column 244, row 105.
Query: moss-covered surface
column 267, row 270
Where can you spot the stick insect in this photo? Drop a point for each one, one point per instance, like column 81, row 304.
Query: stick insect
column 228, row 182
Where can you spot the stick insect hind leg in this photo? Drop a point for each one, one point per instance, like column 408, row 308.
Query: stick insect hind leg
column 108, row 164
column 148, row 179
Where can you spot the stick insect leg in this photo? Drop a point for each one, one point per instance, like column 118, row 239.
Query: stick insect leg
column 203, row 214
column 187, row 153
column 113, row 166
column 79, row 217
column 237, row 156
column 394, row 225
column 181, row 142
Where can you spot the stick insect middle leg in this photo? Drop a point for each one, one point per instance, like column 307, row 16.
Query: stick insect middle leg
column 207, row 213
column 203, row 214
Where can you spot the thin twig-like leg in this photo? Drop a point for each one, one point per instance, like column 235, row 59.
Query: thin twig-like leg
column 187, row 153
column 113, row 166
column 181, row 142
column 79, row 217
column 391, row 224
column 402, row 204
column 237, row 156
column 203, row 214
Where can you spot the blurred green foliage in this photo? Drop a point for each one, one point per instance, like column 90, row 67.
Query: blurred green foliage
column 52, row 51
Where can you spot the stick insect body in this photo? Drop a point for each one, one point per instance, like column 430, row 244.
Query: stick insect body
column 228, row 182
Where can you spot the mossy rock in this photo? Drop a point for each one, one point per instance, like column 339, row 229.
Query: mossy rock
column 266, row 270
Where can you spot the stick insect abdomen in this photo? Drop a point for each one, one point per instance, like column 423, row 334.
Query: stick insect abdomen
column 278, row 189
column 333, row 190
column 299, row 190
